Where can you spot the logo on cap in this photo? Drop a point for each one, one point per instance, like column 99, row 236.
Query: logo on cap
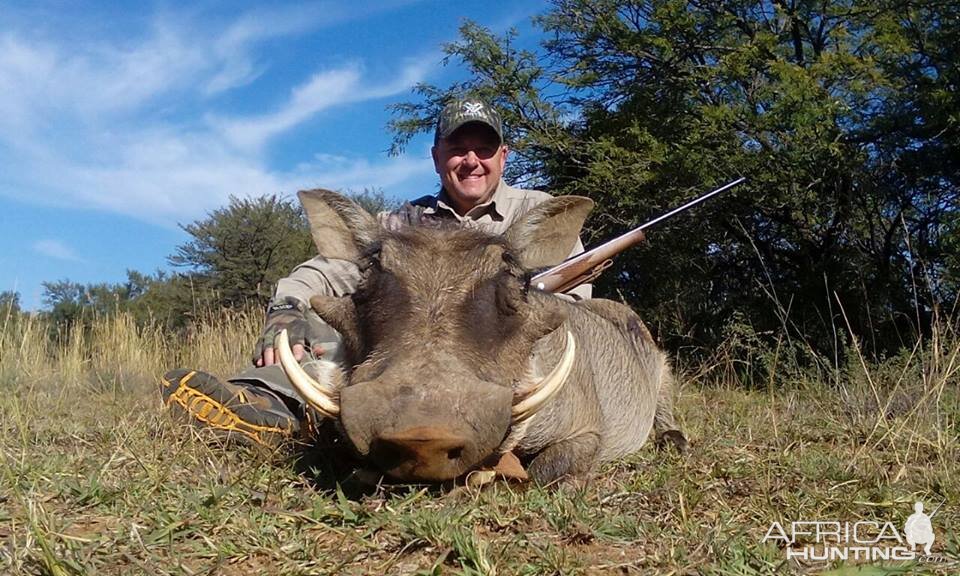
column 473, row 108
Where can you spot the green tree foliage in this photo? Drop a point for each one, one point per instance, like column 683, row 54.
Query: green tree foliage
column 11, row 315
column 9, row 304
column 238, row 252
column 69, row 301
column 373, row 200
column 842, row 114
column 235, row 257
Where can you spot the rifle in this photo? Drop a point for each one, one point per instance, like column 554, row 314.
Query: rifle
column 585, row 267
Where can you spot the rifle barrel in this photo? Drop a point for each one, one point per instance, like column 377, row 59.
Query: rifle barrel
column 693, row 202
column 559, row 278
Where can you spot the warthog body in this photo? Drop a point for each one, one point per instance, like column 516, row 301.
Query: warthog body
column 455, row 359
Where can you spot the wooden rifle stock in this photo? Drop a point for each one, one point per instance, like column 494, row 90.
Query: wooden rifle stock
column 585, row 267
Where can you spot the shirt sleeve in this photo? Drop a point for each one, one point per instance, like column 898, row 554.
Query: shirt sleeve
column 319, row 276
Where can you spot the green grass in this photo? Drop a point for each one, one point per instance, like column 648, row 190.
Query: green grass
column 95, row 479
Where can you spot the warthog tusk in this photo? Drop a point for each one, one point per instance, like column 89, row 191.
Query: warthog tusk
column 529, row 401
column 315, row 393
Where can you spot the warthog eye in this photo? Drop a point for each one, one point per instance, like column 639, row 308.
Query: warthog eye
column 526, row 278
column 511, row 291
column 513, row 268
column 370, row 257
column 368, row 265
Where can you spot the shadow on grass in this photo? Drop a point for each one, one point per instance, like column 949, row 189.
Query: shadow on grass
column 329, row 464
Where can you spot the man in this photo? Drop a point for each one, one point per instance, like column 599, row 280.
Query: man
column 260, row 404
column 918, row 529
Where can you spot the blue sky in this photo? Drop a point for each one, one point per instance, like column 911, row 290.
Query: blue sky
column 118, row 124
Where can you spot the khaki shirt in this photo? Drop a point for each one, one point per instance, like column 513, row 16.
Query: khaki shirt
column 330, row 277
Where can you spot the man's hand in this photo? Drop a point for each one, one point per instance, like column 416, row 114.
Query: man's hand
column 290, row 315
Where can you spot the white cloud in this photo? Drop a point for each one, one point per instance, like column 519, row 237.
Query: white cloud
column 175, row 178
column 238, row 66
column 129, row 127
column 56, row 249
column 42, row 79
column 23, row 69
column 233, row 73
column 323, row 90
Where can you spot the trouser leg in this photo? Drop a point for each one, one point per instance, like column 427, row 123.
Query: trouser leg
column 259, row 403
column 274, row 379
column 239, row 410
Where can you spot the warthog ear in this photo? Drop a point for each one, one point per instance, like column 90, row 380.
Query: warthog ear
column 546, row 234
column 340, row 227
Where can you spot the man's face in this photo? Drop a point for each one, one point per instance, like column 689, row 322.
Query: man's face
column 470, row 163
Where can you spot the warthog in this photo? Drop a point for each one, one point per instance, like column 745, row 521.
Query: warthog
column 453, row 359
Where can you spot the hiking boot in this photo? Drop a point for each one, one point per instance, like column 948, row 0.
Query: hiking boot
column 245, row 412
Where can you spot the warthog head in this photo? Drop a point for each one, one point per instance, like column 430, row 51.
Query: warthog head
column 439, row 332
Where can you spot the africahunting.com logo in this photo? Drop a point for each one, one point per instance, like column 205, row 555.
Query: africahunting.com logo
column 861, row 541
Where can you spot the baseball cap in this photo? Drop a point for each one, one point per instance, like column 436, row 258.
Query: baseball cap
column 463, row 111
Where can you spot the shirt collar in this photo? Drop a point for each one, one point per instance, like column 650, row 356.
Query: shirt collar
column 442, row 204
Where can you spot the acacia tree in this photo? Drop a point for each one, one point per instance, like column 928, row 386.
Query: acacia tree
column 843, row 115
column 238, row 252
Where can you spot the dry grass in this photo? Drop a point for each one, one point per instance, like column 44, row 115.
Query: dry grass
column 94, row 479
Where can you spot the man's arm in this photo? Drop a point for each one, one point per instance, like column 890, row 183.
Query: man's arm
column 324, row 276
column 290, row 307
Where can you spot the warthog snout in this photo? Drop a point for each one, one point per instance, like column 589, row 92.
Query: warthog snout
column 423, row 431
column 424, row 452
